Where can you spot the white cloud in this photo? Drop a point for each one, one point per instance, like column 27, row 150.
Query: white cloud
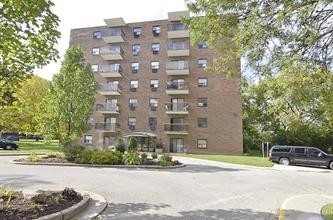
column 88, row 13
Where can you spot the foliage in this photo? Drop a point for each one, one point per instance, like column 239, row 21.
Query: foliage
column 154, row 155
column 165, row 163
column 70, row 99
column 71, row 152
column 133, row 144
column 6, row 192
column 327, row 212
column 84, row 157
column 69, row 194
column 120, row 145
column 166, row 157
column 265, row 33
column 144, row 156
column 32, row 157
column 106, row 157
column 28, row 32
column 132, row 158
column 165, row 160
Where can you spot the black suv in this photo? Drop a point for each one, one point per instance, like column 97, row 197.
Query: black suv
column 8, row 145
column 300, row 155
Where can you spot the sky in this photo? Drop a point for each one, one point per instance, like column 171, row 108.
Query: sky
column 88, row 13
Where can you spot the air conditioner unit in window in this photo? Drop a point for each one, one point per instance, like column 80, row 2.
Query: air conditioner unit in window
column 131, row 127
column 156, row 51
column 154, row 70
column 134, row 70
column 200, row 104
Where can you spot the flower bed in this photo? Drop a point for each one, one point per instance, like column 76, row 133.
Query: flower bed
column 14, row 205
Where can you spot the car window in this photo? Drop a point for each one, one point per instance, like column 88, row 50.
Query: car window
column 282, row 149
column 313, row 151
column 299, row 150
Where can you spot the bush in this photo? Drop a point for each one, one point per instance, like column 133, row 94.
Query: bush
column 132, row 158
column 133, row 144
column 106, row 157
column 144, row 156
column 84, row 157
column 72, row 151
column 154, row 155
column 32, row 157
column 165, row 163
column 120, row 145
column 165, row 160
column 166, row 157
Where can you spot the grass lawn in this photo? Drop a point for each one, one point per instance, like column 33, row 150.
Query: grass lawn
column 327, row 212
column 245, row 160
column 30, row 146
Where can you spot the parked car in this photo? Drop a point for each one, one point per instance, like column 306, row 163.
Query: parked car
column 11, row 136
column 8, row 145
column 312, row 156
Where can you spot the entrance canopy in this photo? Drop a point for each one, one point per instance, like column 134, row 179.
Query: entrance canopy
column 140, row 134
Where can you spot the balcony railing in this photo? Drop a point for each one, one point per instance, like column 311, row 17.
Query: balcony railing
column 177, row 27
column 172, row 85
column 108, row 107
column 113, row 32
column 176, row 107
column 110, row 87
column 111, row 50
column 176, row 128
column 179, row 45
column 108, row 127
column 112, row 68
column 177, row 65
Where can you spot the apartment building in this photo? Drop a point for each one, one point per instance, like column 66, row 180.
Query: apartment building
column 153, row 81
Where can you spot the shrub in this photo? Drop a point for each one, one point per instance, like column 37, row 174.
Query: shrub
column 133, row 144
column 132, row 158
column 69, row 194
column 154, row 155
column 84, row 157
column 165, row 160
column 144, row 156
column 166, row 157
column 51, row 155
column 32, row 157
column 106, row 157
column 165, row 163
column 72, row 151
column 120, row 145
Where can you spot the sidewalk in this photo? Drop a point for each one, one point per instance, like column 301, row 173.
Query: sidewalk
column 304, row 207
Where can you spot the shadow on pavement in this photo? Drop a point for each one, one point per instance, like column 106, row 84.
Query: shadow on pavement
column 131, row 211
column 20, row 180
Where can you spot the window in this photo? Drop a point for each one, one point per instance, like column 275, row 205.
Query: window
column 135, row 67
column 153, row 85
column 95, row 51
column 135, row 49
column 136, row 32
column 131, row 123
column 202, row 143
column 88, row 139
column 202, row 82
column 281, row 149
column 156, row 30
column 155, row 47
column 153, row 103
column 202, row 63
column 134, row 84
column 133, row 103
column 154, row 66
column 97, row 35
column 314, row 152
column 203, row 44
column 152, row 122
column 299, row 150
column 202, row 122
column 202, row 102
column 94, row 68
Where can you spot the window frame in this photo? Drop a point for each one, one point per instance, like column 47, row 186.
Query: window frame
column 152, row 126
column 154, row 49
column 202, row 65
column 202, row 85
column 86, row 141
column 136, row 52
column 206, row 143
column 137, row 32
column 95, row 52
column 205, row 122
column 93, row 69
column 205, row 104
column 202, row 45
column 135, row 68
column 97, row 36
column 136, row 85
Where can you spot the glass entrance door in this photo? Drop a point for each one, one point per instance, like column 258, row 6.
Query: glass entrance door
column 177, row 145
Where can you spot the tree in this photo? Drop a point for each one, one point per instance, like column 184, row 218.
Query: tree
column 28, row 33
column 120, row 145
column 70, row 99
column 133, row 144
column 268, row 33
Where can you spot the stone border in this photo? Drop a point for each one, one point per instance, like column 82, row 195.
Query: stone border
column 69, row 212
column 101, row 166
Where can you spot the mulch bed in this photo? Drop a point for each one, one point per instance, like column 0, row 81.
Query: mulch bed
column 21, row 207
column 46, row 160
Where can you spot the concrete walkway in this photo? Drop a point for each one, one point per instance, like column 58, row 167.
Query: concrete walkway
column 304, row 207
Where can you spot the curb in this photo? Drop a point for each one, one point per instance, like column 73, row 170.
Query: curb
column 69, row 212
column 21, row 154
column 101, row 166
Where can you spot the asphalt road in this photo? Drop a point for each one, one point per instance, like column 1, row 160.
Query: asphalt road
column 201, row 190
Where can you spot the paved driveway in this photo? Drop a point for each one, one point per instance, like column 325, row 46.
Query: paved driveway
column 201, row 190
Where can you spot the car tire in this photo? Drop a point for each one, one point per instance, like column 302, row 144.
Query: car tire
column 284, row 161
column 8, row 147
column 330, row 165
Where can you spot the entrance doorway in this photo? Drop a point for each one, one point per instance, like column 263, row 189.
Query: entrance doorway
column 177, row 145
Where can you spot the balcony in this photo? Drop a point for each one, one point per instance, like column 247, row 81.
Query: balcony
column 108, row 108
column 110, row 89
column 176, row 108
column 112, row 53
column 177, row 68
column 113, row 35
column 177, row 30
column 178, row 49
column 107, row 127
column 177, row 15
column 110, row 71
column 115, row 22
column 177, row 88
column 180, row 129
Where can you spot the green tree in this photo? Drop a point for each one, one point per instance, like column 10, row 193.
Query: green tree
column 70, row 99
column 133, row 144
column 28, row 33
column 120, row 145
